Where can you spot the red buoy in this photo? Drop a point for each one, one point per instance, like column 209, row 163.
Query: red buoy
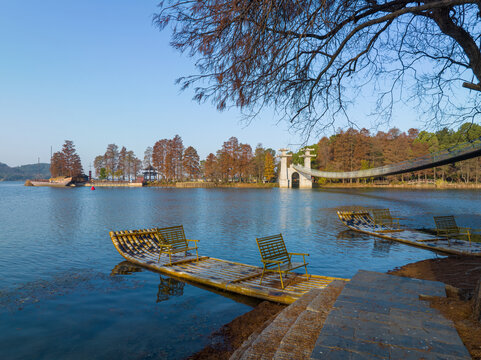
column 92, row 188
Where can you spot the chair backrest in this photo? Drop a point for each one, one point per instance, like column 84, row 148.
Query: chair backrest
column 446, row 224
column 273, row 248
column 380, row 215
column 173, row 235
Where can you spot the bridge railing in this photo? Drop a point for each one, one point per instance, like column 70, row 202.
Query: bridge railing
column 443, row 154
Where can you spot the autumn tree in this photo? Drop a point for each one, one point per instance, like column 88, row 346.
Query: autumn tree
column 167, row 158
column 136, row 167
column 115, row 164
column 268, row 167
column 169, row 162
column 159, row 154
column 99, row 164
column 66, row 162
column 148, row 157
column 211, row 168
column 122, row 166
column 57, row 164
column 132, row 165
column 258, row 162
column 244, row 162
column 191, row 163
column 323, row 153
column 73, row 165
column 470, row 132
column 377, row 157
column 311, row 59
column 111, row 158
column 228, row 158
column 343, row 150
column 176, row 151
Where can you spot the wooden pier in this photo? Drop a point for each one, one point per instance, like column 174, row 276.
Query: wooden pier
column 139, row 248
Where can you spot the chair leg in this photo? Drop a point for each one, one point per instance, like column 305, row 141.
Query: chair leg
column 263, row 270
column 280, row 274
column 307, row 274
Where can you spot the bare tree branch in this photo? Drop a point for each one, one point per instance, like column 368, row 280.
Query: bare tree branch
column 310, row 60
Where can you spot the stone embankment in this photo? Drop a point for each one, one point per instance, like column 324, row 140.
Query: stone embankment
column 113, row 184
column 292, row 334
column 195, row 184
column 376, row 316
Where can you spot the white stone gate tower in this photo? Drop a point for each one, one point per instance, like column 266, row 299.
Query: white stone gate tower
column 286, row 173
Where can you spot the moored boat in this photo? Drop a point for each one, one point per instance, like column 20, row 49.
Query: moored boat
column 56, row 182
column 139, row 247
column 60, row 181
column 362, row 221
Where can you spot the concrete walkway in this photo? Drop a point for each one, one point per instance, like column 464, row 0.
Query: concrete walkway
column 379, row 316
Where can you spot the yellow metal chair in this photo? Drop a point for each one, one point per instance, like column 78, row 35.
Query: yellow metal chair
column 173, row 241
column 383, row 217
column 446, row 226
column 275, row 257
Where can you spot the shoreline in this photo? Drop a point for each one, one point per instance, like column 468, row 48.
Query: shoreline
column 460, row 274
column 443, row 186
column 210, row 185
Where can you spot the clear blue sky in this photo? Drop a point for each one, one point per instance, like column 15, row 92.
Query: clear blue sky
column 98, row 72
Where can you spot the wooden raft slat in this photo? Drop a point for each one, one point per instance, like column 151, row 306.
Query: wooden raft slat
column 142, row 248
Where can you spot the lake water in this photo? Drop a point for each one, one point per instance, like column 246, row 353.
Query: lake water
column 65, row 293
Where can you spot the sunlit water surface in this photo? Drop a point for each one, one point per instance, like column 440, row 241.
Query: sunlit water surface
column 65, row 294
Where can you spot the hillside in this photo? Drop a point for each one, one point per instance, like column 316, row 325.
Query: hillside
column 24, row 172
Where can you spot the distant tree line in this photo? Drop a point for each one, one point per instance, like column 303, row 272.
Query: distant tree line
column 347, row 150
column 115, row 164
column 234, row 162
column 172, row 160
column 24, row 172
column 354, row 149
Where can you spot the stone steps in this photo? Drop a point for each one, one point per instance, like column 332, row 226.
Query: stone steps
column 377, row 316
column 380, row 316
column 293, row 333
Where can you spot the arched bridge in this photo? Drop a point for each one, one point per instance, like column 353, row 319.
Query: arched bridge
column 457, row 153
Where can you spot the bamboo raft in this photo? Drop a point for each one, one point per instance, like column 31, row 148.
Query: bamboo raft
column 363, row 222
column 143, row 250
